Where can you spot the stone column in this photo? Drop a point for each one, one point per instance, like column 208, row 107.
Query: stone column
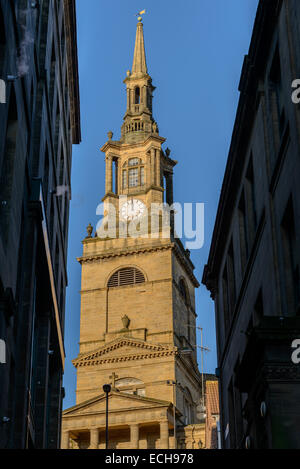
column 164, row 434
column 158, row 171
column 94, row 438
column 153, row 166
column 128, row 98
column 148, row 170
column 65, row 440
column 108, row 174
column 134, row 436
column 116, row 176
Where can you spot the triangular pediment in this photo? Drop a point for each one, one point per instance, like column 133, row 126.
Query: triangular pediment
column 117, row 401
column 122, row 349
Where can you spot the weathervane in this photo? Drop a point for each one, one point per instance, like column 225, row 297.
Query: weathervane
column 139, row 15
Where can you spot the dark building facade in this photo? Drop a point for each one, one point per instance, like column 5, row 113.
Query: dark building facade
column 39, row 122
column 253, row 266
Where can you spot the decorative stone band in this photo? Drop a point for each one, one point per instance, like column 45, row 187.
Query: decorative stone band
column 99, row 361
column 120, row 253
column 130, row 252
column 97, row 357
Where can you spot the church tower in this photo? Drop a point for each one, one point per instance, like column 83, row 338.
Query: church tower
column 138, row 320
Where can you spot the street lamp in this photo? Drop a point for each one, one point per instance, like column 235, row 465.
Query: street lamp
column 106, row 389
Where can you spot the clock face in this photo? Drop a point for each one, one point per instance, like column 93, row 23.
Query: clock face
column 132, row 209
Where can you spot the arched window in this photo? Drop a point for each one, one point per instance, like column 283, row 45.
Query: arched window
column 134, row 176
column 184, row 292
column 126, row 276
column 137, row 95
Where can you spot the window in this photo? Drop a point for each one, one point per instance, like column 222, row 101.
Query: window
column 149, row 99
column 126, row 276
column 135, row 175
column 137, row 95
column 142, row 176
column 183, row 291
column 133, row 161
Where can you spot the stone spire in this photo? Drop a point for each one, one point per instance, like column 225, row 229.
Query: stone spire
column 138, row 120
column 139, row 66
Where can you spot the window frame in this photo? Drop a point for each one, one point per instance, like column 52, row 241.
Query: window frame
column 138, row 167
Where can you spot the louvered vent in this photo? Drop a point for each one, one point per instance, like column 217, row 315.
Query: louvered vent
column 126, row 276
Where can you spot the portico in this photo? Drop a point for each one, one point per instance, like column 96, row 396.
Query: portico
column 142, row 423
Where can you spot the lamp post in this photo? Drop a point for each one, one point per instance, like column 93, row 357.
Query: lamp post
column 106, row 389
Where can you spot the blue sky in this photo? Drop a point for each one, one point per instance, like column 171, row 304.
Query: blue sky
column 195, row 51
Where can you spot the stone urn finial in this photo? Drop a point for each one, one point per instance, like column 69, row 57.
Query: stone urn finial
column 110, row 135
column 125, row 321
column 89, row 230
